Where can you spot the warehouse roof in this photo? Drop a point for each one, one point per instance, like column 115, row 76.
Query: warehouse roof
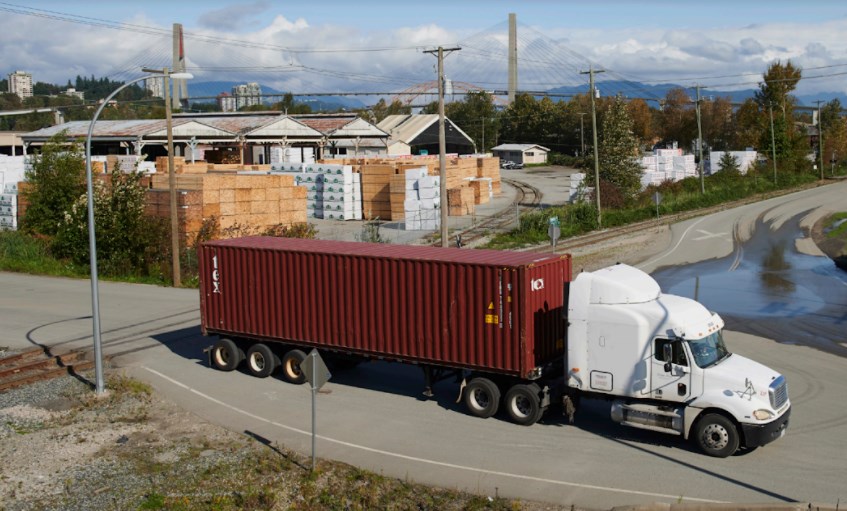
column 518, row 147
column 406, row 128
column 218, row 127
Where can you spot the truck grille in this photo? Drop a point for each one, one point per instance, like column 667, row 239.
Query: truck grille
column 778, row 392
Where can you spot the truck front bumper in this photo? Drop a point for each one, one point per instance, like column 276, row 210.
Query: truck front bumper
column 756, row 436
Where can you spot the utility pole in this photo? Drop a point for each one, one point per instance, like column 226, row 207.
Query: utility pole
column 581, row 136
column 700, row 142
column 773, row 143
column 442, row 143
column 590, row 74
column 177, row 277
column 820, row 135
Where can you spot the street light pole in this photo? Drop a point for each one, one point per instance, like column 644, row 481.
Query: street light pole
column 100, row 386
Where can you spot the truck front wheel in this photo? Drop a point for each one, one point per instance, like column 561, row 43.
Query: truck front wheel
column 291, row 367
column 523, row 404
column 717, row 436
column 482, row 397
column 261, row 361
column 226, row 355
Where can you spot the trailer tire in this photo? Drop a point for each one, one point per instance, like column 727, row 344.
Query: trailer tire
column 261, row 361
column 523, row 404
column 716, row 435
column 482, row 397
column 226, row 355
column 291, row 367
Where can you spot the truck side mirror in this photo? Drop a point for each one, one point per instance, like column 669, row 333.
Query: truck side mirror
column 666, row 356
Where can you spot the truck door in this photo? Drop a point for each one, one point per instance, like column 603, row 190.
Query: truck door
column 670, row 378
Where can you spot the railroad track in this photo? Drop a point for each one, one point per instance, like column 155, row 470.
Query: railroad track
column 528, row 197
column 67, row 357
column 39, row 364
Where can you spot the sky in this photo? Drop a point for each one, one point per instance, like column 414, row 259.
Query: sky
column 332, row 45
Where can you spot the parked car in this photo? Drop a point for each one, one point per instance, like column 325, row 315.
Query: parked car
column 506, row 164
column 517, row 165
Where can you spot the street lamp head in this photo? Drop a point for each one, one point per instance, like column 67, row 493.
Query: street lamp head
column 182, row 76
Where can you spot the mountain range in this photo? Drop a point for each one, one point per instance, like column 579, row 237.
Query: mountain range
column 652, row 93
column 656, row 92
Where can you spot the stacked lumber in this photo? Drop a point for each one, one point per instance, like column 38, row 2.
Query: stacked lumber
column 422, row 205
column 332, row 191
column 490, row 168
column 376, row 191
column 482, row 189
column 381, row 193
column 460, row 201
column 251, row 202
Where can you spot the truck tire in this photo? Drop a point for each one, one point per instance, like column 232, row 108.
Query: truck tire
column 226, row 355
column 523, row 404
column 261, row 361
column 291, row 367
column 716, row 435
column 482, row 397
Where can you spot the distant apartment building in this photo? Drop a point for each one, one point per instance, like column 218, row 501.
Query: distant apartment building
column 75, row 93
column 20, row 83
column 247, row 94
column 226, row 103
column 155, row 86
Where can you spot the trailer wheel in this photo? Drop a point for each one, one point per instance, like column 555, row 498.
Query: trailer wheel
column 523, row 404
column 226, row 355
column 482, row 397
column 261, row 361
column 717, row 436
column 291, row 367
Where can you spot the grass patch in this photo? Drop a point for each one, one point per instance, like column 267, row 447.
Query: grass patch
column 23, row 253
column 678, row 197
column 837, row 225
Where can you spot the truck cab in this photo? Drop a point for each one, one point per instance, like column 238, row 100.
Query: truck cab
column 663, row 362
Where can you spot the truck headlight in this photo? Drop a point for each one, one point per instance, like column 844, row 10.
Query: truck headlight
column 763, row 414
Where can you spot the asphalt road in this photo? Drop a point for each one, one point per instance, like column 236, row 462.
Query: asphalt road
column 373, row 416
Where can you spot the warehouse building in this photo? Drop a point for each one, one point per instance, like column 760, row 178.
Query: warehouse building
column 418, row 135
column 521, row 153
column 246, row 138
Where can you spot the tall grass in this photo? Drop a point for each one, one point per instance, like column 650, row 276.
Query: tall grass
column 27, row 254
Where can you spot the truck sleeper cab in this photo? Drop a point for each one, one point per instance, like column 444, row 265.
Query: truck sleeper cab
column 663, row 361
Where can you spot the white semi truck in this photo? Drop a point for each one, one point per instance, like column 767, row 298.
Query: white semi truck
column 514, row 328
column 662, row 361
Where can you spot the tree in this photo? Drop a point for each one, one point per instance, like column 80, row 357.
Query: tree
column 678, row 120
column 716, row 120
column 834, row 131
column 748, row 125
column 477, row 116
column 381, row 110
column 642, row 121
column 728, row 164
column 124, row 234
column 776, row 86
column 56, row 181
column 618, row 150
column 289, row 105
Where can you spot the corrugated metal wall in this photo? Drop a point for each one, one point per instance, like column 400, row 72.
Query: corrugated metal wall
column 499, row 311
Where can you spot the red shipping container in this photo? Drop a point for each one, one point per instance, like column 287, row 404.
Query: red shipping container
column 486, row 310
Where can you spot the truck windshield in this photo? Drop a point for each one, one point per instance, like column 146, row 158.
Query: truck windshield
column 709, row 350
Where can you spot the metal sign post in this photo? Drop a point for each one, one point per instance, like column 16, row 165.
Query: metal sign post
column 554, row 230
column 657, row 198
column 317, row 374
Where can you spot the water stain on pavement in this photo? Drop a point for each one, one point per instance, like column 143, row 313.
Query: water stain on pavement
column 768, row 288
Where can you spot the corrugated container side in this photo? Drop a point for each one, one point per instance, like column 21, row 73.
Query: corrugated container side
column 485, row 310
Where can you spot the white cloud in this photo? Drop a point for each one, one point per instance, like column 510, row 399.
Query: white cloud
column 55, row 51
